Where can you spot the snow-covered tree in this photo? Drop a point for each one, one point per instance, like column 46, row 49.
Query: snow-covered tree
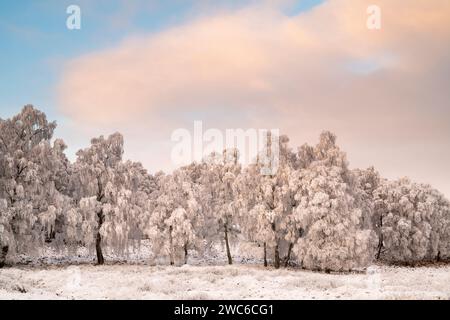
column 173, row 226
column 219, row 173
column 328, row 216
column 247, row 197
column 181, row 232
column 113, row 198
column 6, row 234
column 414, row 222
column 97, row 188
column 128, row 203
column 33, row 181
column 368, row 180
column 266, row 202
column 279, row 201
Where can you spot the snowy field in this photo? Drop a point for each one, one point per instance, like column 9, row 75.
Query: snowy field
column 53, row 276
column 220, row 282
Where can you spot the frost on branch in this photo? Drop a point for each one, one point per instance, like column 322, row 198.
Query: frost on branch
column 48, row 219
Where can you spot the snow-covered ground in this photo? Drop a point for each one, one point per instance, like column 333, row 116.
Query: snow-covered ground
column 120, row 281
column 53, row 275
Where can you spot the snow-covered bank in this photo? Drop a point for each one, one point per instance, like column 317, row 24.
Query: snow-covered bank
column 220, row 282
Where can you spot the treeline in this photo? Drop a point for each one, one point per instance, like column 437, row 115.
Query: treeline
column 313, row 210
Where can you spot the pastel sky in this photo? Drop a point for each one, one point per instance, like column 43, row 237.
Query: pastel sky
column 146, row 68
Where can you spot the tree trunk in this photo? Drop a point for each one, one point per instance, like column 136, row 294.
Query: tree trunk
column 230, row 260
column 172, row 262
column 277, row 257
column 185, row 253
column 288, row 257
column 380, row 240
column 265, row 255
column 98, row 242
column 380, row 246
column 3, row 255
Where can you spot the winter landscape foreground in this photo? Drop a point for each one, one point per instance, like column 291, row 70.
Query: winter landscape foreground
column 221, row 282
column 142, row 275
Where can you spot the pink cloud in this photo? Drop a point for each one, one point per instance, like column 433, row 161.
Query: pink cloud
column 259, row 68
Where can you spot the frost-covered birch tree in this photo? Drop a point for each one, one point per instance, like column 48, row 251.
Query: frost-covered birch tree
column 33, row 182
column 414, row 222
column 278, row 201
column 175, row 223
column 97, row 186
column 219, row 174
column 367, row 181
column 328, row 214
column 267, row 204
column 253, row 217
column 128, row 204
